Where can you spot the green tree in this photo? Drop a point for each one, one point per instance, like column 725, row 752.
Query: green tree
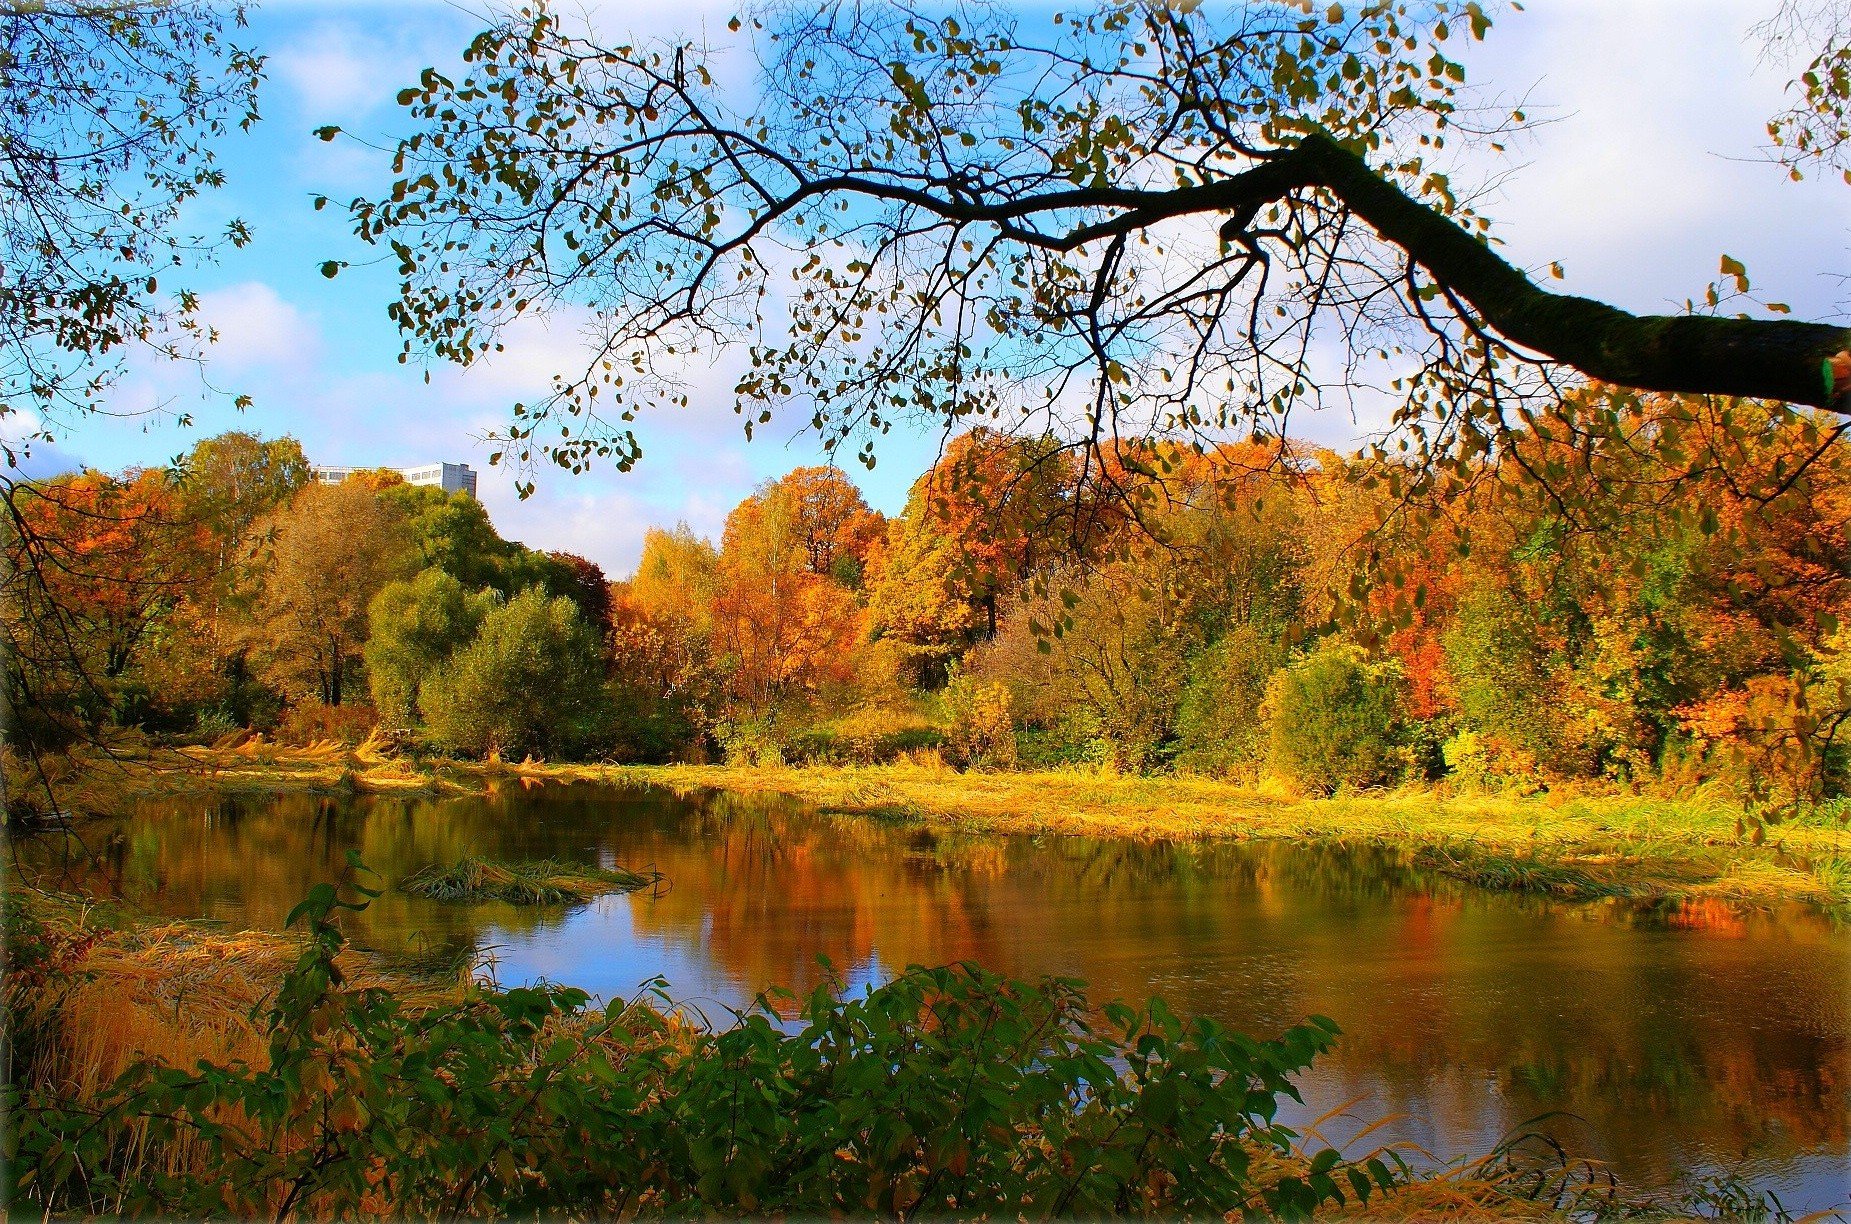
column 532, row 681
column 1335, row 719
column 452, row 532
column 414, row 628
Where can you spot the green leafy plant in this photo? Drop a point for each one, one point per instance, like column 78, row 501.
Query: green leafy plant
column 945, row 1091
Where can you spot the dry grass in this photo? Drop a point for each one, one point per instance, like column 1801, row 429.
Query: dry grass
column 544, row 882
column 112, row 993
column 1584, row 845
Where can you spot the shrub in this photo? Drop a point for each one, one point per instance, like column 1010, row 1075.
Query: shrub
column 1220, row 724
column 1334, row 719
column 749, row 740
column 947, row 1090
column 980, row 723
column 310, row 722
column 872, row 735
column 531, row 682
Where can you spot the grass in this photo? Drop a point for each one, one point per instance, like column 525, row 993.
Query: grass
column 90, row 990
column 1580, row 846
column 544, row 882
column 1584, row 845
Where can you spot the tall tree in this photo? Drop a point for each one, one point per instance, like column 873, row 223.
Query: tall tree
column 325, row 556
column 830, row 519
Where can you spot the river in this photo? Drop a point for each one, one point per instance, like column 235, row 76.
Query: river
column 1667, row 1041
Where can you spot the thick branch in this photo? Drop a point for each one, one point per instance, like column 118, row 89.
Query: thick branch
column 1775, row 359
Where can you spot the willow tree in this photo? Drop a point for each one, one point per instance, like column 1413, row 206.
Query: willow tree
column 1148, row 219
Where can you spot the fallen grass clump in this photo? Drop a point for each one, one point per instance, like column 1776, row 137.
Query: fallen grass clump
column 543, row 882
column 1514, row 873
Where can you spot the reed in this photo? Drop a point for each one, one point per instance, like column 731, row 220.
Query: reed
column 543, row 882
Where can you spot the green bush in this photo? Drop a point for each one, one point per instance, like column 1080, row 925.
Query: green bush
column 414, row 627
column 1334, row 719
column 531, row 682
column 1220, row 726
column 946, row 1091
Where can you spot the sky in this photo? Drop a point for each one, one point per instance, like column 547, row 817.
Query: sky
column 1647, row 165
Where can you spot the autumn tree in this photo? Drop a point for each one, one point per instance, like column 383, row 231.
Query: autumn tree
column 779, row 629
column 830, row 520
column 325, row 556
column 917, row 601
column 583, row 581
column 675, row 578
column 112, row 559
column 1142, row 220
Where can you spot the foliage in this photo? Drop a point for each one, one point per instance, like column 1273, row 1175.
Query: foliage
column 413, row 629
column 94, row 565
column 944, row 1090
column 530, row 682
column 1220, row 724
column 868, row 735
column 1133, row 222
column 1335, row 719
column 324, row 557
column 109, row 116
column 312, row 722
column 979, row 725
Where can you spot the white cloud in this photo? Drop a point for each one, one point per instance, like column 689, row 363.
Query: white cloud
column 258, row 328
column 337, row 71
column 1651, row 162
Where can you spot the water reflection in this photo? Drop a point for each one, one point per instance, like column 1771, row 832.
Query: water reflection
column 1689, row 1037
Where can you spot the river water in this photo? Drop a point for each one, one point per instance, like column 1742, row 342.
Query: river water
column 1669, row 1042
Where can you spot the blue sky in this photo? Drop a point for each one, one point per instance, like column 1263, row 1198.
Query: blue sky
column 1649, row 167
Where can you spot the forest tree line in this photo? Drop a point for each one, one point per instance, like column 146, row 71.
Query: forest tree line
column 1673, row 612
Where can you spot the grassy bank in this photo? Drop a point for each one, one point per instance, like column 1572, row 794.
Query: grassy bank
column 1583, row 847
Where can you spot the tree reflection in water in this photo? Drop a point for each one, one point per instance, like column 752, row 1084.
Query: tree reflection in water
column 1680, row 1037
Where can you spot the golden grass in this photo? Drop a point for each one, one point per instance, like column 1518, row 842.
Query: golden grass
column 175, row 992
column 543, row 882
column 1626, row 844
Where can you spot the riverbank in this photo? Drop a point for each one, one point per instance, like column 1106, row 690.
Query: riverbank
column 1579, row 846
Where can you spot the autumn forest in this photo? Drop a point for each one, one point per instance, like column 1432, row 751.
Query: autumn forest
column 1295, row 662
column 1238, row 611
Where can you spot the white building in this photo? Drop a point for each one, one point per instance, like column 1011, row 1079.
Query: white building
column 450, row 477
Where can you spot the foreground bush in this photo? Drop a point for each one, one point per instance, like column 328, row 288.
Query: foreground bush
column 947, row 1091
